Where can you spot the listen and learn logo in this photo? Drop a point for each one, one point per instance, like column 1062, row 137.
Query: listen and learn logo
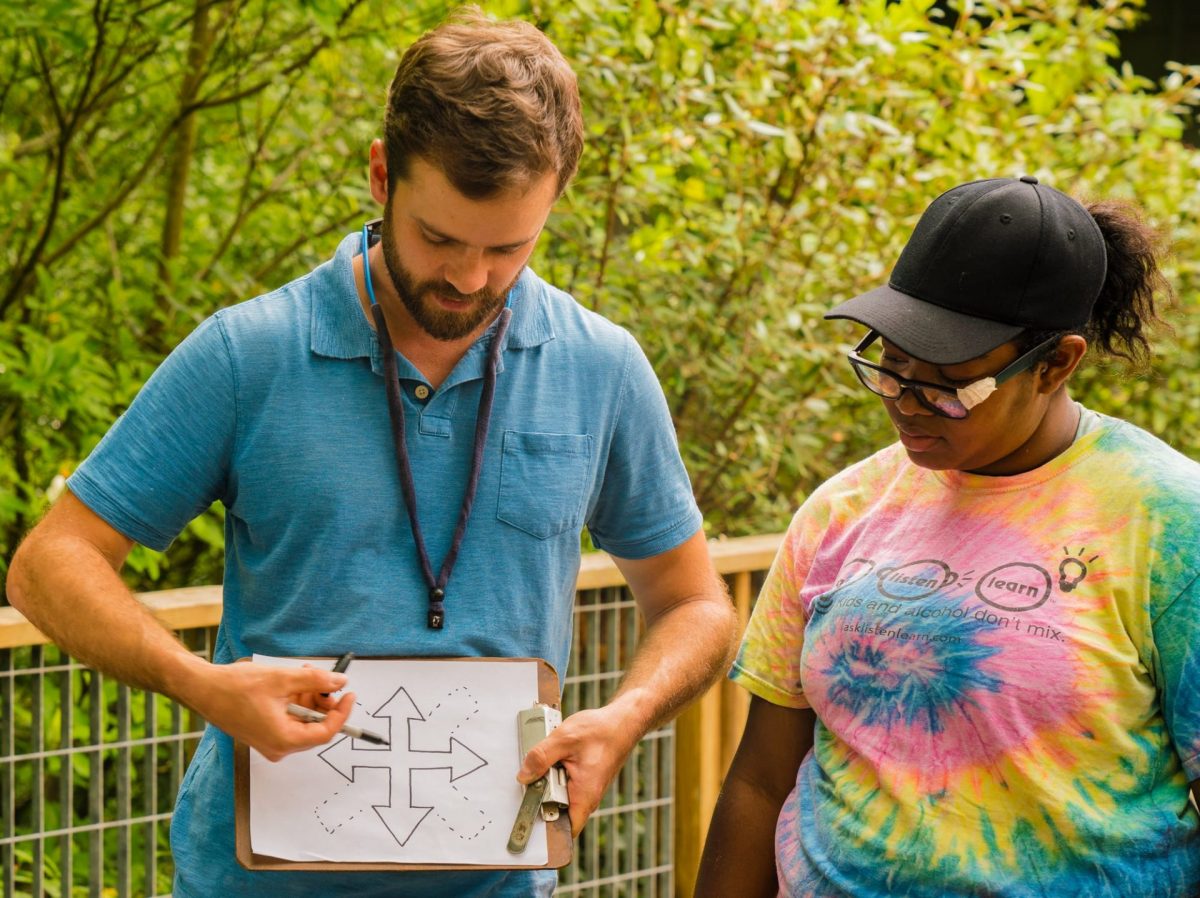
column 1016, row 586
column 915, row 580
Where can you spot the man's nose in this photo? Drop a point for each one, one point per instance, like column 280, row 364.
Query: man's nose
column 468, row 272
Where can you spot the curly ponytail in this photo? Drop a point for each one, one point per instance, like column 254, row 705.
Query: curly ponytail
column 1125, row 309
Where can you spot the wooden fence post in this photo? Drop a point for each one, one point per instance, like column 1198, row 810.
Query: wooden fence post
column 707, row 736
column 698, row 775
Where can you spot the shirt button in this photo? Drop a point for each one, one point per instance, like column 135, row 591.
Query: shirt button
column 422, row 392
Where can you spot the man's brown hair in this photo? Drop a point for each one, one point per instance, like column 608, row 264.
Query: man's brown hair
column 493, row 105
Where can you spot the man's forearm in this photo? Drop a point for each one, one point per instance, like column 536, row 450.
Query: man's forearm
column 64, row 579
column 681, row 654
column 70, row 591
column 686, row 646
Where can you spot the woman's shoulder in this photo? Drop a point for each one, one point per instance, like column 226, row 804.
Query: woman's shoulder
column 1147, row 459
column 863, row 482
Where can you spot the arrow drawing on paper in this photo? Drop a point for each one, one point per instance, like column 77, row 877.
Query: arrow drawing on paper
column 401, row 814
column 363, row 783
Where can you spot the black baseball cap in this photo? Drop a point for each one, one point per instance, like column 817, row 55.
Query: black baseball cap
column 987, row 260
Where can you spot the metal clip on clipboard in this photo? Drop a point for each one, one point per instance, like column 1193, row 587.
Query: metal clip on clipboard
column 548, row 794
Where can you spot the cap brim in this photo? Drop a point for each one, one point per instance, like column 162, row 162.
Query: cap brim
column 930, row 333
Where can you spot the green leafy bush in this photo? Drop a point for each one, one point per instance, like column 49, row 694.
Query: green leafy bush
column 754, row 163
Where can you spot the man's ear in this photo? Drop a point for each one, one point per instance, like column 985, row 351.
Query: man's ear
column 377, row 166
column 1057, row 369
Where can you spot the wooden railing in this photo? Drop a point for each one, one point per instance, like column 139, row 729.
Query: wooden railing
column 706, row 734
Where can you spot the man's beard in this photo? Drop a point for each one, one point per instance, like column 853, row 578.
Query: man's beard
column 431, row 318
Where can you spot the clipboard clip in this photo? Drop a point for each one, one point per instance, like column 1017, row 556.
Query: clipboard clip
column 547, row 795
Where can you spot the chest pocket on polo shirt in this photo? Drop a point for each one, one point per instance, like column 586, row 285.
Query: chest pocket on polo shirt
column 543, row 477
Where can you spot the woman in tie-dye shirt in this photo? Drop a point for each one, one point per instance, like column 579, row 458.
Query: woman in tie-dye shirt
column 973, row 662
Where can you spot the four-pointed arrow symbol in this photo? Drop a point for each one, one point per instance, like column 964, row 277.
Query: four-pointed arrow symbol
column 400, row 814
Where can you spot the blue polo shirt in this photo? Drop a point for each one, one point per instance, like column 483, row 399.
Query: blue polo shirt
column 276, row 408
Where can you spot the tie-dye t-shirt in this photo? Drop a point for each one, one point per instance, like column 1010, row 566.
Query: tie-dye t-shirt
column 1004, row 674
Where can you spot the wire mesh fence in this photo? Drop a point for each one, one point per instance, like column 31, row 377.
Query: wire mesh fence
column 89, row 769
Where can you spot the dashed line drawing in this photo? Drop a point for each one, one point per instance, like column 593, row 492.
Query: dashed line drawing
column 464, row 832
column 323, row 810
column 425, row 756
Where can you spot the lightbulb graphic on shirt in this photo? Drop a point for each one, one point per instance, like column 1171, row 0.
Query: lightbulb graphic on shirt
column 1072, row 570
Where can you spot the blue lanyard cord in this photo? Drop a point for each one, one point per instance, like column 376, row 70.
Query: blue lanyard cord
column 366, row 244
column 437, row 587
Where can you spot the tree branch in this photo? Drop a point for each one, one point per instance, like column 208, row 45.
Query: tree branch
column 714, row 474
column 127, row 187
column 8, row 84
column 66, row 131
column 247, row 206
column 283, row 255
column 44, row 141
column 300, row 62
column 251, row 56
column 48, row 82
column 199, row 46
column 224, row 27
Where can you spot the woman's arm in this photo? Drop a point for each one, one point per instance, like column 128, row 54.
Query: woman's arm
column 739, row 854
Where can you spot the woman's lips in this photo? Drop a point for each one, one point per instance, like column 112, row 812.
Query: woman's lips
column 917, row 442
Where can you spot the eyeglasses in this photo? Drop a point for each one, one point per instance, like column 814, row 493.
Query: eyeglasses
column 948, row 402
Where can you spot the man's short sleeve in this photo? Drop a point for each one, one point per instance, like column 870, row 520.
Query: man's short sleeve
column 646, row 506
column 1177, row 644
column 167, row 458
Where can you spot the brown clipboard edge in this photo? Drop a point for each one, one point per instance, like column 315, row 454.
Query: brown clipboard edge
column 558, row 833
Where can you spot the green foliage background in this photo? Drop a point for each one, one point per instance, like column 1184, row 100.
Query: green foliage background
column 749, row 163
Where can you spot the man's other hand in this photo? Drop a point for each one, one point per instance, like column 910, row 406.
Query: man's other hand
column 591, row 746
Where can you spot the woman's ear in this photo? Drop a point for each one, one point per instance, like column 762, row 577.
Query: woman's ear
column 1057, row 369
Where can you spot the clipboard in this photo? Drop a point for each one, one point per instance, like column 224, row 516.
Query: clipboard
column 558, row 832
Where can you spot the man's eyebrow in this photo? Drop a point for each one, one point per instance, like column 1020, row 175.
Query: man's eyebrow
column 434, row 232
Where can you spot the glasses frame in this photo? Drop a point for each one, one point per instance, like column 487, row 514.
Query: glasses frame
column 969, row 396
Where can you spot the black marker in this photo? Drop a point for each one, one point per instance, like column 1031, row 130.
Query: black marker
column 340, row 667
column 310, row 716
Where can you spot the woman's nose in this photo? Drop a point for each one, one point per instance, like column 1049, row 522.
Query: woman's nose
column 908, row 404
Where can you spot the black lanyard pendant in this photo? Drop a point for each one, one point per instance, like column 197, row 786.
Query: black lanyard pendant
column 437, row 609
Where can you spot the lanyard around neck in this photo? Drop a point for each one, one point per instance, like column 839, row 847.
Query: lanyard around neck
column 437, row 585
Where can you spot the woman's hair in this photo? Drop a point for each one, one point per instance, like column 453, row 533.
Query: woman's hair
column 493, row 105
column 1125, row 311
